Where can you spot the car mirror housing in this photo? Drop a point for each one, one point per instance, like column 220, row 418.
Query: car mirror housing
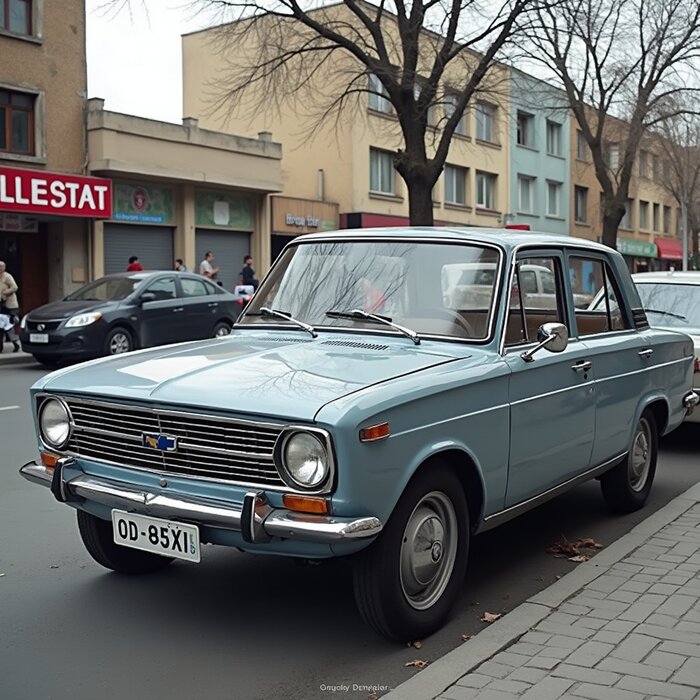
column 553, row 336
column 147, row 296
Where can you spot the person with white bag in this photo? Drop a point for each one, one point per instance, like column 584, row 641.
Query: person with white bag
column 9, row 307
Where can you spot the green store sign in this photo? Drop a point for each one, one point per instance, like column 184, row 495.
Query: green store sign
column 222, row 210
column 143, row 203
column 637, row 249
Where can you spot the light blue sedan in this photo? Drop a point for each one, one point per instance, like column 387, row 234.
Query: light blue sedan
column 365, row 407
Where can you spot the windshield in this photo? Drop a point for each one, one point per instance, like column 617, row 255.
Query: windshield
column 106, row 289
column 671, row 305
column 418, row 285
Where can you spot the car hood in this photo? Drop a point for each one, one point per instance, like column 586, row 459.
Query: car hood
column 64, row 309
column 250, row 373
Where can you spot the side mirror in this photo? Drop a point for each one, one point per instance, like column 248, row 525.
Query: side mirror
column 147, row 296
column 553, row 336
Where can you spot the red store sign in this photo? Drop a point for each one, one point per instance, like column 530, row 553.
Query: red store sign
column 38, row 192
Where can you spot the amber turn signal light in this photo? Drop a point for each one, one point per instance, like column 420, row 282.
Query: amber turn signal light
column 374, row 432
column 305, row 504
column 49, row 460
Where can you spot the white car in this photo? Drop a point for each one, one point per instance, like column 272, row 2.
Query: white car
column 672, row 301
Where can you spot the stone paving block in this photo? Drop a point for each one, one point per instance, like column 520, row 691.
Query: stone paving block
column 535, row 637
column 686, row 549
column 572, row 609
column 459, row 693
column 627, row 568
column 548, row 689
column 637, row 612
column 664, row 588
column 673, row 558
column 624, row 596
column 545, row 662
column 603, row 603
column 494, row 669
column 474, row 680
column 585, row 675
column 609, row 637
column 527, row 649
column 592, row 623
column 527, row 674
column 601, row 692
column 559, row 618
column 650, row 563
column 561, row 641
column 606, row 583
column 670, row 691
column 652, row 599
column 650, row 551
column 580, row 632
column 488, row 694
column 692, row 627
column 667, row 634
column 661, row 620
column 635, row 647
column 679, row 578
column 589, row 654
column 605, row 615
column 692, row 616
column 516, row 687
column 629, row 668
column 688, row 674
column 636, row 586
column 511, row 658
column 620, row 626
column 665, row 660
column 677, row 605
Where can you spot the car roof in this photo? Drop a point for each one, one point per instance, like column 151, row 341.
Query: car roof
column 506, row 238
column 668, row 277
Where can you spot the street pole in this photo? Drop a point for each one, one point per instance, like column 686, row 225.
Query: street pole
column 684, row 231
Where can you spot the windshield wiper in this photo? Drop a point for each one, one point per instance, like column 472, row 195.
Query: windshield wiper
column 265, row 311
column 359, row 315
column 666, row 313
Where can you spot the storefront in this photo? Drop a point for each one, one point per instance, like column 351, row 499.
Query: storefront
column 640, row 256
column 43, row 217
column 670, row 253
column 291, row 217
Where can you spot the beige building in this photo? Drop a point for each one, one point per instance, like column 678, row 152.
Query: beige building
column 348, row 161
column 178, row 192
column 42, row 146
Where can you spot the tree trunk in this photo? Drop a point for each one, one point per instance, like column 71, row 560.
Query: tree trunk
column 611, row 222
column 420, row 203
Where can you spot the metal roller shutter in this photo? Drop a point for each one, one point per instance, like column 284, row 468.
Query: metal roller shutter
column 229, row 249
column 152, row 244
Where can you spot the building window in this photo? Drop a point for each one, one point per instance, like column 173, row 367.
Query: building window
column 553, row 198
column 643, row 164
column 525, row 130
column 667, row 220
column 382, row 176
column 486, row 190
column 613, row 156
column 377, row 99
column 16, row 123
column 553, row 138
column 485, row 116
column 581, row 204
column 16, row 16
column 655, row 217
column 643, row 215
column 455, row 185
column 581, row 147
column 430, row 116
column 451, row 100
column 655, row 166
column 627, row 220
column 526, row 194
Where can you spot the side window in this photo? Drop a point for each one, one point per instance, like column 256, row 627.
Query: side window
column 193, row 288
column 530, row 308
column 596, row 297
column 163, row 288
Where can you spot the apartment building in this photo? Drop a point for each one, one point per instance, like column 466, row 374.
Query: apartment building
column 45, row 201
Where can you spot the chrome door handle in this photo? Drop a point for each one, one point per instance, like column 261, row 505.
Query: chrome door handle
column 213, row 303
column 582, row 366
column 180, row 308
column 646, row 353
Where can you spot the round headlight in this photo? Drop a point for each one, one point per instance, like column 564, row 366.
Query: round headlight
column 54, row 423
column 306, row 459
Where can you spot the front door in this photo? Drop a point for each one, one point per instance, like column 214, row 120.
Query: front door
column 162, row 318
column 552, row 397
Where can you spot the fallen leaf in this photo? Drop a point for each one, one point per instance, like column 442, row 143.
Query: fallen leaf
column 2, row 574
column 417, row 645
column 589, row 542
column 372, row 696
column 557, row 577
column 418, row 663
column 579, row 558
column 564, row 548
column 466, row 637
column 491, row 617
column 53, row 566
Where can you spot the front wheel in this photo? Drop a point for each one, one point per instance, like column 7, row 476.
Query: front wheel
column 626, row 487
column 408, row 580
column 118, row 341
column 99, row 541
column 221, row 329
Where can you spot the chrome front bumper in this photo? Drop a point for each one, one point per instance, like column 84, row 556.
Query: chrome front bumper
column 690, row 401
column 257, row 521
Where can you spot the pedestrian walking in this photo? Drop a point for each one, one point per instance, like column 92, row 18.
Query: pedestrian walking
column 206, row 268
column 9, row 307
column 134, row 264
column 180, row 266
column 247, row 275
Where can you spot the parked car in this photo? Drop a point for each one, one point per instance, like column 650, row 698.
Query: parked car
column 121, row 312
column 321, row 429
column 672, row 300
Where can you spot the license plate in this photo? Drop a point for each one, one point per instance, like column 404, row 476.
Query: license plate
column 38, row 337
column 171, row 539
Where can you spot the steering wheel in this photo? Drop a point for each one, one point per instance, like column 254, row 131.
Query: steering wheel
column 452, row 315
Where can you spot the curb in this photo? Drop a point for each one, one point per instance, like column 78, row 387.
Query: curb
column 16, row 358
column 447, row 670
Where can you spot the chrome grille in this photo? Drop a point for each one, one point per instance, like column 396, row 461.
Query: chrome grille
column 208, row 446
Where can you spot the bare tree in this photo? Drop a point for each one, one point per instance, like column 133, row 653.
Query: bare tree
column 681, row 148
column 623, row 64
column 415, row 56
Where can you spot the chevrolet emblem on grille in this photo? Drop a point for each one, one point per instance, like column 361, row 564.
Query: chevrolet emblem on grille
column 159, row 441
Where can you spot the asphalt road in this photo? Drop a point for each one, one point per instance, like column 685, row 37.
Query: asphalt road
column 239, row 627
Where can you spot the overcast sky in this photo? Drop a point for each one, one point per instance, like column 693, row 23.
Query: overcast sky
column 134, row 60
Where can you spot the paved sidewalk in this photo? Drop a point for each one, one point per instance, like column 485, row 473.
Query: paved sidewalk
column 623, row 626
column 7, row 357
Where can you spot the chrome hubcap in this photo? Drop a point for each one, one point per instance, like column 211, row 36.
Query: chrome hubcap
column 640, row 457
column 119, row 344
column 221, row 332
column 428, row 550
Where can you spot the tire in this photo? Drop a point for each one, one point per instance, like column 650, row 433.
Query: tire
column 98, row 540
column 626, row 487
column 221, row 329
column 48, row 361
column 396, row 601
column 118, row 341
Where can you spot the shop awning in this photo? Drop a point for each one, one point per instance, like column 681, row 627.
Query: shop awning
column 669, row 248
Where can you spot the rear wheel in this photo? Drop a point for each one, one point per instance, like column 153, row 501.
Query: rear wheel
column 99, row 542
column 118, row 341
column 626, row 487
column 409, row 578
